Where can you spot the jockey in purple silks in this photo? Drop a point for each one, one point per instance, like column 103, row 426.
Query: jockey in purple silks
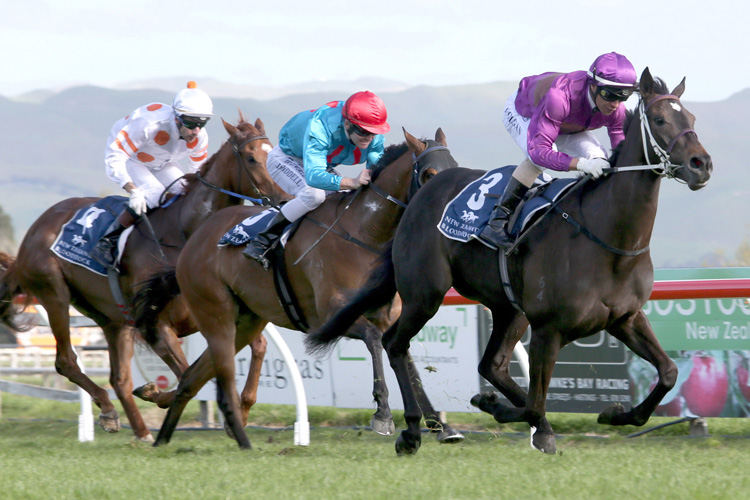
column 551, row 117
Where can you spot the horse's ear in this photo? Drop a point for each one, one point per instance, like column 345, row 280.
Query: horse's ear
column 415, row 144
column 678, row 90
column 231, row 129
column 440, row 137
column 646, row 84
column 259, row 125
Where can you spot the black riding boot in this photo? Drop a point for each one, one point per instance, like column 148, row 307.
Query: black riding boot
column 258, row 247
column 106, row 247
column 495, row 232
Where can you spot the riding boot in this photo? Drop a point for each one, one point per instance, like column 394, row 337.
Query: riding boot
column 263, row 241
column 106, row 248
column 495, row 232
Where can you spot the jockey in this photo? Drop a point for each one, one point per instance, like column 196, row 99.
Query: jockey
column 310, row 145
column 551, row 117
column 142, row 152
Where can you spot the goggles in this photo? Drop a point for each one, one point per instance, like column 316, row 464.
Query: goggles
column 359, row 131
column 190, row 122
column 614, row 94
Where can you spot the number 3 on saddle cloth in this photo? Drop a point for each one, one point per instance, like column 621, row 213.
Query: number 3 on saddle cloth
column 467, row 214
column 81, row 233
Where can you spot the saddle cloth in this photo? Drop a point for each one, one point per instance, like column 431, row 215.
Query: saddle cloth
column 246, row 230
column 81, row 233
column 468, row 213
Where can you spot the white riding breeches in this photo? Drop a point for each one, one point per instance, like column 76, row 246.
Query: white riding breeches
column 289, row 173
column 153, row 182
column 579, row 145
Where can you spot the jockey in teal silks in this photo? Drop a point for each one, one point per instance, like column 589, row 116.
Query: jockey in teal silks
column 310, row 145
column 551, row 117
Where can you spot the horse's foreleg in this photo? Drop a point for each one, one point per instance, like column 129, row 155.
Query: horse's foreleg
column 544, row 348
column 495, row 363
column 249, row 333
column 637, row 334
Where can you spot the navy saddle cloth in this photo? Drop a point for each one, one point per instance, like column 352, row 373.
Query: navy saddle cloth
column 467, row 214
column 81, row 233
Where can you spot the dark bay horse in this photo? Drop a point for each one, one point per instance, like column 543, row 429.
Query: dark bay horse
column 232, row 298
column 568, row 285
column 238, row 166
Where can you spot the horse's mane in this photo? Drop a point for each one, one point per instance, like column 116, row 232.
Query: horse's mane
column 391, row 154
column 660, row 87
column 191, row 179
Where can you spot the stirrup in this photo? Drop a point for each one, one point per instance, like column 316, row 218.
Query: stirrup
column 252, row 251
column 103, row 253
column 495, row 239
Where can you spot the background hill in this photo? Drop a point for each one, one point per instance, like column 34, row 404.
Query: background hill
column 52, row 147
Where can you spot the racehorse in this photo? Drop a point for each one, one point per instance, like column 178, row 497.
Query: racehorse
column 232, row 298
column 236, row 169
column 569, row 282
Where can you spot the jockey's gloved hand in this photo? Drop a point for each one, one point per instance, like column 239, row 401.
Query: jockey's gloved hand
column 138, row 201
column 593, row 166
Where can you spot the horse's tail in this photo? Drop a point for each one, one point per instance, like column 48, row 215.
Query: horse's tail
column 151, row 299
column 9, row 290
column 378, row 291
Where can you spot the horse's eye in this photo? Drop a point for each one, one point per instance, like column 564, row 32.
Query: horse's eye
column 659, row 120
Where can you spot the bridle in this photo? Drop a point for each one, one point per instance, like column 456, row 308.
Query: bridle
column 665, row 167
column 241, row 167
column 415, row 184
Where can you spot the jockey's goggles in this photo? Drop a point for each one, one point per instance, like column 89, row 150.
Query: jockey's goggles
column 190, row 122
column 614, row 94
column 360, row 131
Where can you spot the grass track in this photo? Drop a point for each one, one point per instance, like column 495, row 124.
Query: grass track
column 41, row 458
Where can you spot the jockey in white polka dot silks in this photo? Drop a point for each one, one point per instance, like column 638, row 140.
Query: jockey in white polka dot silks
column 551, row 117
column 310, row 145
column 142, row 156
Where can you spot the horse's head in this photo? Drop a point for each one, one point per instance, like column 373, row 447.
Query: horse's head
column 671, row 125
column 439, row 156
column 251, row 147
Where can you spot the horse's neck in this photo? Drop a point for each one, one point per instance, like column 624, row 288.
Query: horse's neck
column 629, row 199
column 202, row 200
column 378, row 217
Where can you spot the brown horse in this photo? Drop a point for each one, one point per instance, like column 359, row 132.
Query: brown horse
column 571, row 282
column 238, row 167
column 232, row 298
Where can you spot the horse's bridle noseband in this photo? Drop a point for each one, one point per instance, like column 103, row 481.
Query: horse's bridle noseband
column 668, row 168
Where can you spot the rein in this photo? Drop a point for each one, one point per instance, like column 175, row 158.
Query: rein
column 263, row 200
column 415, row 184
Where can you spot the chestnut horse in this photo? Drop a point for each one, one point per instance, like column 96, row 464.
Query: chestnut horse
column 232, row 298
column 570, row 282
column 237, row 168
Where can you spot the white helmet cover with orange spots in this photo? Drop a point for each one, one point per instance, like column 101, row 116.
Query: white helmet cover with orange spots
column 193, row 102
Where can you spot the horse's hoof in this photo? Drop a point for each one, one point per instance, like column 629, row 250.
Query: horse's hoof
column 406, row 445
column 611, row 414
column 384, row 427
column 543, row 442
column 148, row 438
column 109, row 421
column 486, row 401
column 449, row 436
column 147, row 392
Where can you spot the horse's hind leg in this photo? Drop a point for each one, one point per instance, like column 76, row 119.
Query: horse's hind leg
column 495, row 363
column 445, row 433
column 56, row 301
column 382, row 420
column 637, row 334
column 121, row 343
